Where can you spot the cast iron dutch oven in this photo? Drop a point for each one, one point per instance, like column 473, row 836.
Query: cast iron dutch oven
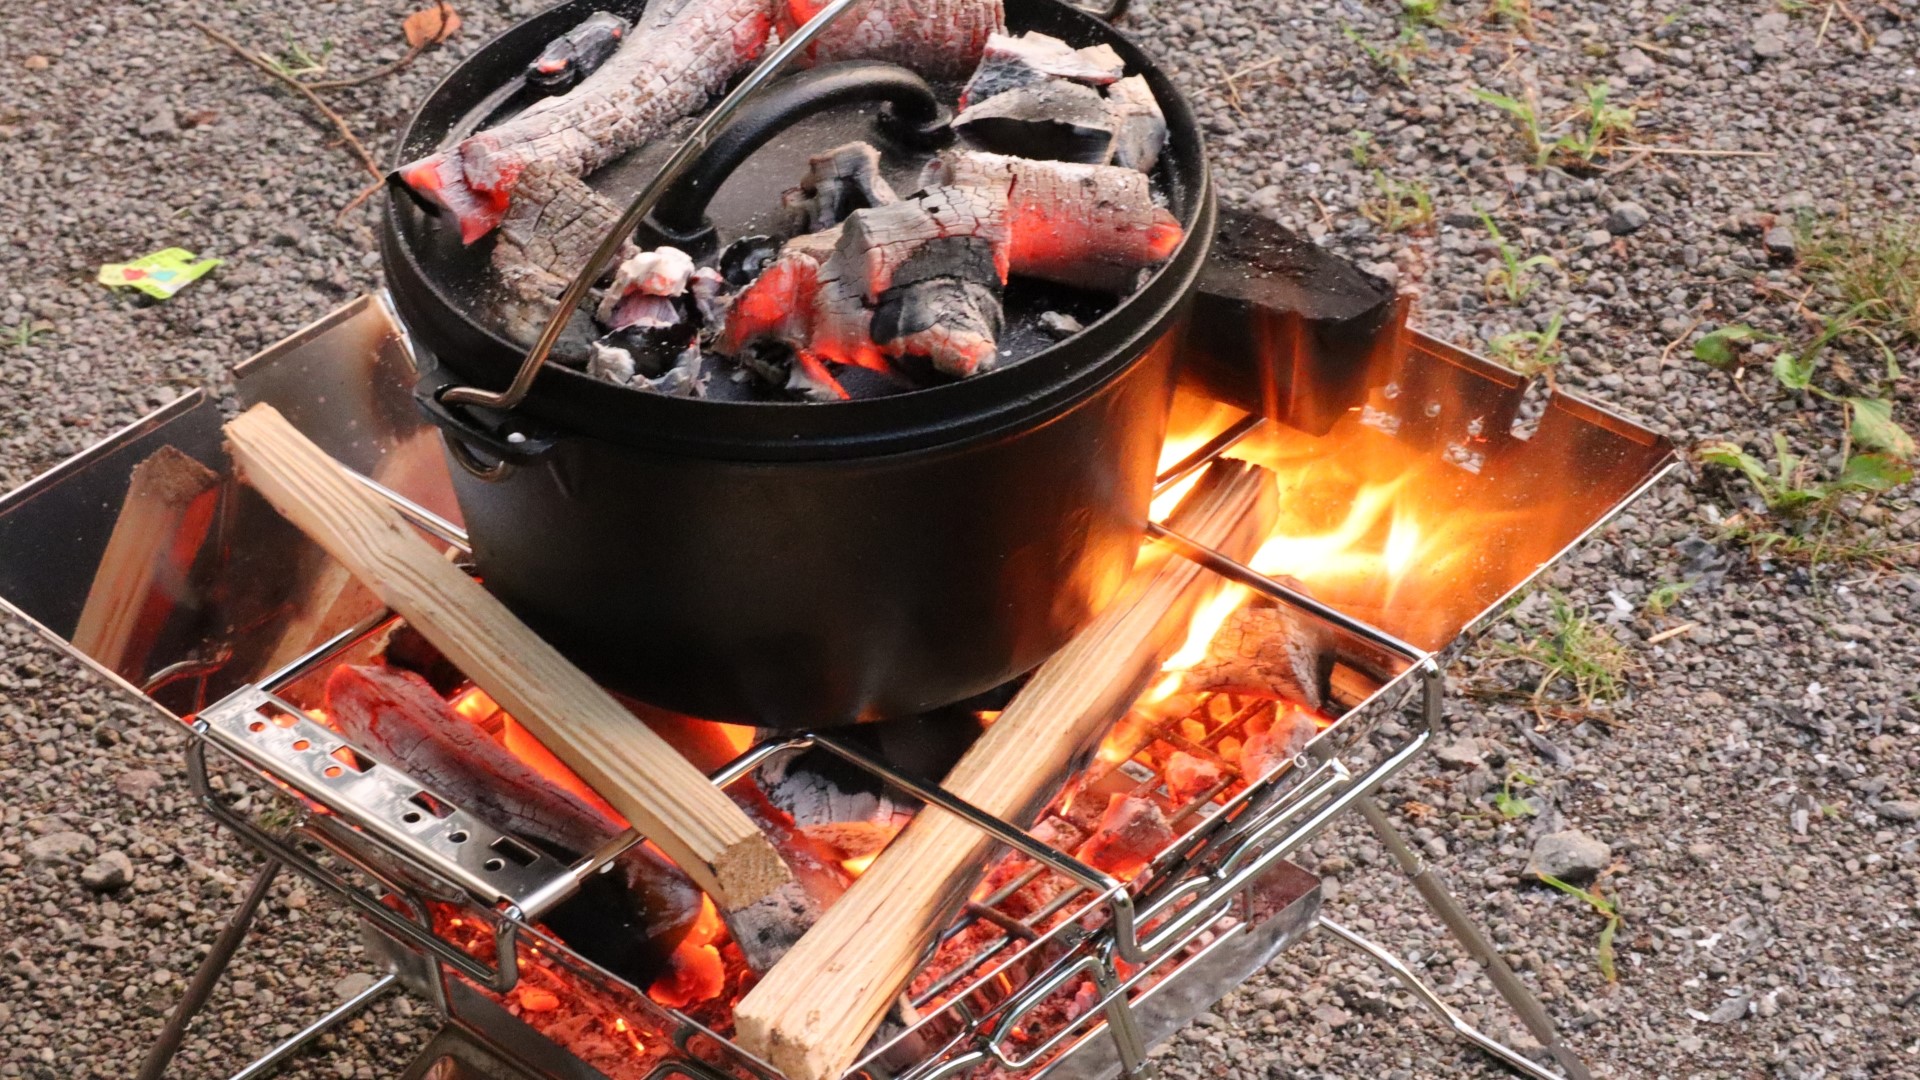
column 791, row 564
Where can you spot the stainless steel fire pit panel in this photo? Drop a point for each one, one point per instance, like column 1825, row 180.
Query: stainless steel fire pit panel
column 54, row 528
column 274, row 736
column 1281, row 907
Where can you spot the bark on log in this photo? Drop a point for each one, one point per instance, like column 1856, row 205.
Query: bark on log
column 624, row 761
column 550, row 232
column 941, row 39
column 142, row 574
column 679, row 56
column 811, row 1015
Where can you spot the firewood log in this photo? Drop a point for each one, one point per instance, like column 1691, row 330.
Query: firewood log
column 678, row 57
column 399, row 719
column 142, row 574
column 1008, row 62
column 624, row 761
column 549, row 233
column 941, row 39
column 811, row 1015
column 922, row 276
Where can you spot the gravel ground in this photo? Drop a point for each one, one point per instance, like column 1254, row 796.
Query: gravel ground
column 1756, row 788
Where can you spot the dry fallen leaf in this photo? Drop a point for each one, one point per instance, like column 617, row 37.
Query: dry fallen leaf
column 426, row 27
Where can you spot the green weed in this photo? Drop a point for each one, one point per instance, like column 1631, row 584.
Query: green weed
column 1607, row 909
column 1661, row 599
column 1514, row 276
column 1510, row 805
column 26, row 335
column 1874, row 270
column 1530, row 352
column 296, row 60
column 1400, row 207
column 1395, row 59
column 1362, row 149
column 1581, row 663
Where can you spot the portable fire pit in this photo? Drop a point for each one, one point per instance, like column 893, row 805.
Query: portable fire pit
column 1340, row 504
column 1156, row 879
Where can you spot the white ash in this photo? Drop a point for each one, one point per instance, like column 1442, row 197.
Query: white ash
column 642, row 288
column 686, row 378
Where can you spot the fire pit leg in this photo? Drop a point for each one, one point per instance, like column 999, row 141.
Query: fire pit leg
column 1518, row 996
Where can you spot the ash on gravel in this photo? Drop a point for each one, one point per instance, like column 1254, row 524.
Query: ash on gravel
column 1758, row 789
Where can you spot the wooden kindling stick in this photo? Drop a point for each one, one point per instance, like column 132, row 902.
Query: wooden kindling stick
column 814, row 1012
column 168, row 510
column 660, row 793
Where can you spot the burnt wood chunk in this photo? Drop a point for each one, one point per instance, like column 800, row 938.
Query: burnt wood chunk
column 671, row 63
column 1268, row 652
column 402, row 721
column 1009, row 62
column 847, row 813
column 1129, row 835
column 941, row 39
column 1286, row 329
column 840, row 181
column 1052, row 120
column 548, row 235
column 1139, row 127
column 1092, row 226
column 1266, row 751
column 577, row 53
column 1087, row 225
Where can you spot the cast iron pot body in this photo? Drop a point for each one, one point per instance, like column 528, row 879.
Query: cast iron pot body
column 803, row 564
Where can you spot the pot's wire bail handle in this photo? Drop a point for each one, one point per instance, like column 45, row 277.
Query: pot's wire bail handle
column 642, row 205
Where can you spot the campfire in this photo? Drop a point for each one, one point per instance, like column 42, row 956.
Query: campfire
column 490, row 683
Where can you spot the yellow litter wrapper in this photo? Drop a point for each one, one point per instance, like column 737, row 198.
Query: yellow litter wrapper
column 160, row 274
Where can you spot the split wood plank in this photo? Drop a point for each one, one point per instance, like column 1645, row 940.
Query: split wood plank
column 630, row 766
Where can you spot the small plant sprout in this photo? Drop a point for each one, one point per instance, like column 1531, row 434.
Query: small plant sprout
column 1400, row 207
column 1600, row 127
column 1362, row 149
column 296, row 60
column 25, row 335
column 1515, row 13
column 1531, row 353
column 1514, row 276
column 1724, row 348
column 1661, row 599
column 1510, row 805
column 1395, row 59
column 1416, row 14
column 1526, row 114
column 1608, row 910
column 1581, row 663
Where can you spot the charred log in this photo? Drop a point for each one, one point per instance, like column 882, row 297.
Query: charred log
column 399, row 719
column 678, row 57
column 840, row 181
column 1008, row 63
column 1269, row 652
column 577, row 53
column 1052, row 120
column 1130, row 834
column 1139, row 127
column 941, row 39
column 545, row 239
column 921, row 277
